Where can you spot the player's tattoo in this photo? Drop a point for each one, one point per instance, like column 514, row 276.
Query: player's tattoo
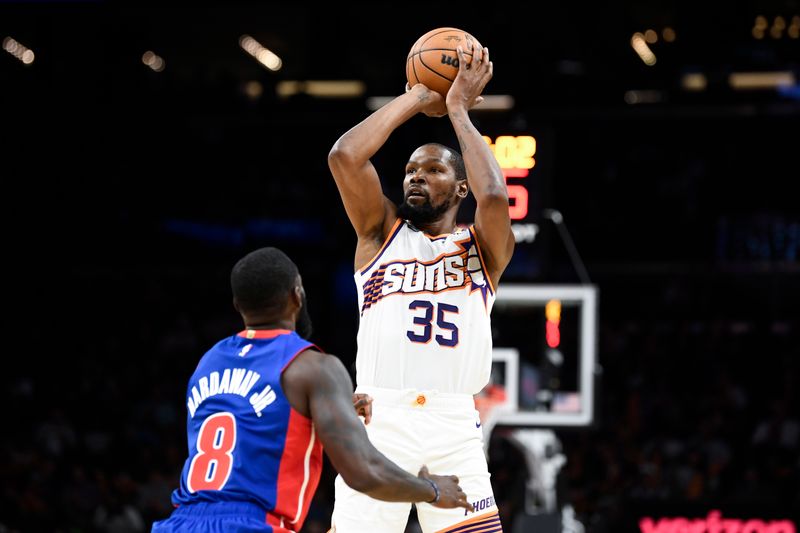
column 464, row 125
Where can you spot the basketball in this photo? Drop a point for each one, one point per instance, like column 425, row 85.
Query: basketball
column 433, row 60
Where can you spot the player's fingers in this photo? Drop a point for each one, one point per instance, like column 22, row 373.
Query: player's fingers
column 465, row 504
column 423, row 471
column 462, row 61
column 477, row 55
column 455, row 479
column 479, row 100
column 363, row 402
column 359, row 397
column 486, row 57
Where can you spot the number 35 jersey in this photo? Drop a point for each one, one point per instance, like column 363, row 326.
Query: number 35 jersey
column 246, row 442
column 425, row 303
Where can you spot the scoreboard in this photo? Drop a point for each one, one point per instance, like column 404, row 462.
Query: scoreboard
column 516, row 156
column 526, row 161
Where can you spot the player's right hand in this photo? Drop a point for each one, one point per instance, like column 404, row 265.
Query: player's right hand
column 431, row 102
column 450, row 493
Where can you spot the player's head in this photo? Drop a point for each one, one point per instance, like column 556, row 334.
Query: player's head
column 435, row 184
column 267, row 289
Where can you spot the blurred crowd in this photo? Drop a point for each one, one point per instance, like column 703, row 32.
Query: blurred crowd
column 700, row 410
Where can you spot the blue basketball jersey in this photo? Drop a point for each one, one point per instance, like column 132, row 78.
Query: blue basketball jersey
column 246, row 443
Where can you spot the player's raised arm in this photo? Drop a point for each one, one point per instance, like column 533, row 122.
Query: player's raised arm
column 492, row 223
column 370, row 212
column 319, row 385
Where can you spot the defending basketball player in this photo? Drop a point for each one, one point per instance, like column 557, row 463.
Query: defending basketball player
column 426, row 288
column 261, row 406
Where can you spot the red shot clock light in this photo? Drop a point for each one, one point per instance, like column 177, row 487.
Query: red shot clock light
column 552, row 312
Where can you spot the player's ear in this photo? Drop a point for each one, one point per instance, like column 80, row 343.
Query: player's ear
column 297, row 292
column 462, row 189
column 236, row 306
column 296, row 296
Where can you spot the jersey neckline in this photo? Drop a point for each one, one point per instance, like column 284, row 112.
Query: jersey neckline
column 455, row 231
column 262, row 333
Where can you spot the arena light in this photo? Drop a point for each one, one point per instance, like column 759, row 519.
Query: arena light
column 263, row 55
column 778, row 25
column 253, row 89
column 744, row 81
column 694, row 81
column 760, row 25
column 321, row 88
column 794, row 28
column 18, row 50
column 496, row 102
column 154, row 61
column 634, row 97
column 491, row 102
column 335, row 88
column 639, row 45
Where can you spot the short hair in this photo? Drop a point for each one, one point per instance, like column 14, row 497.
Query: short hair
column 263, row 279
column 456, row 160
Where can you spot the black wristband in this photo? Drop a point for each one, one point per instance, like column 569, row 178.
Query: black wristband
column 435, row 490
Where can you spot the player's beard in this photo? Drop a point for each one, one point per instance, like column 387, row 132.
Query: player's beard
column 423, row 214
column 303, row 325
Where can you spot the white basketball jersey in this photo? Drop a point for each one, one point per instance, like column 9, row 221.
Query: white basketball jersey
column 425, row 303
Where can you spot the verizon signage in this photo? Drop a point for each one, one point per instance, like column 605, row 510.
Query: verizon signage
column 714, row 523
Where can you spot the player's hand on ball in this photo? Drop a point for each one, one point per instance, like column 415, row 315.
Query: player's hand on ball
column 450, row 493
column 363, row 406
column 471, row 78
column 432, row 103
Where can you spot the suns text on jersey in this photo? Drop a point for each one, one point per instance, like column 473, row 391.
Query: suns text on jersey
column 238, row 381
column 447, row 272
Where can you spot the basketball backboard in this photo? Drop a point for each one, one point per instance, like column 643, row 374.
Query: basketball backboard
column 544, row 358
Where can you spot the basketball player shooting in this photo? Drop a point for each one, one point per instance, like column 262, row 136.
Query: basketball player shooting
column 426, row 289
column 262, row 404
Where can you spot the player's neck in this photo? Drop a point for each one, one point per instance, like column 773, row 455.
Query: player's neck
column 445, row 226
column 256, row 323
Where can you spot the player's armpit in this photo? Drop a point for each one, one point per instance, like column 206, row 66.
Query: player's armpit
column 495, row 240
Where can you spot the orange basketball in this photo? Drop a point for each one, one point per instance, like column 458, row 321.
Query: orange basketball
column 433, row 60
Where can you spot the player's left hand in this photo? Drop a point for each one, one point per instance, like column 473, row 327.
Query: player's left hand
column 363, row 406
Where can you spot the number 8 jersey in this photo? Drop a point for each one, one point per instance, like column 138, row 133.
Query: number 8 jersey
column 425, row 303
column 246, row 443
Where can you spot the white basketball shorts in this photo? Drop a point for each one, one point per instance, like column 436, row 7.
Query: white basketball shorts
column 415, row 428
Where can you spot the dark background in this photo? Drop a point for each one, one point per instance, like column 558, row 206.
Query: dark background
column 128, row 195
